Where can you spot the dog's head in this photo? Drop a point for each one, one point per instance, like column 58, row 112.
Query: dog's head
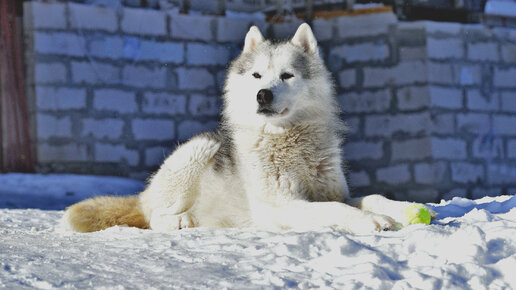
column 281, row 84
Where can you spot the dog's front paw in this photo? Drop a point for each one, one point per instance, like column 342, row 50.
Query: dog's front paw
column 163, row 220
column 371, row 223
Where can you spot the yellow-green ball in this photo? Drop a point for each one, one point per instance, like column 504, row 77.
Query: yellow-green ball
column 417, row 214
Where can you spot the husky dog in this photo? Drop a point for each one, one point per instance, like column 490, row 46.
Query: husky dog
column 274, row 163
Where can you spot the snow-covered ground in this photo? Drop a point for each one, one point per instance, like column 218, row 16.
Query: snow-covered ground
column 471, row 245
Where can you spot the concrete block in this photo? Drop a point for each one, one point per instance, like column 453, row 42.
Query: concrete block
column 488, row 146
column 194, row 78
column 232, row 29
column 465, row 172
column 378, row 101
column 363, row 150
column 411, row 150
column 443, row 123
column 448, row 48
column 347, row 78
column 501, row 173
column 508, row 52
column 468, row 74
column 405, row 73
column 49, row 73
column 323, row 29
column 114, row 100
column 449, row 148
column 422, row 195
column 408, row 54
column 164, row 103
column 43, row 15
column 387, row 125
column 456, row 192
column 447, row 98
column 362, row 52
column 365, row 25
column 49, row 126
column 479, row 102
column 441, row 73
column 205, row 54
column 413, row 97
column 153, row 129
column 191, row 27
column 473, row 123
column 504, row 78
column 94, row 73
column 61, row 43
column 61, row 153
column 483, row 51
column 285, row 30
column 106, row 46
column 358, row 179
column 511, row 148
column 450, row 28
column 164, row 52
column 201, row 105
column 144, row 77
column 144, row 22
column 103, row 128
column 156, row 155
column 397, row 174
column 430, row 173
column 116, row 153
column 508, row 100
column 190, row 128
column 93, row 17
column 504, row 125
column 60, row 98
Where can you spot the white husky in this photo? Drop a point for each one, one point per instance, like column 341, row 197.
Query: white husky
column 274, row 163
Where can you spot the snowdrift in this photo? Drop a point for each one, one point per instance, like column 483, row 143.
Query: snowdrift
column 471, row 245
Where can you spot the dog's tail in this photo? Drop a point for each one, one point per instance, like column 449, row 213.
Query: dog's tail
column 100, row 213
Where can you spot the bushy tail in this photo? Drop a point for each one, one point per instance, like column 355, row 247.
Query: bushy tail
column 99, row 213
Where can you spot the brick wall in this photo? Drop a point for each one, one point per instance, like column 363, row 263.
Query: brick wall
column 432, row 106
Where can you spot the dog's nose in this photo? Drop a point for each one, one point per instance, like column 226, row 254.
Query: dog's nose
column 264, row 97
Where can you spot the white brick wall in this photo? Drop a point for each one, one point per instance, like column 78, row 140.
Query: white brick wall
column 60, row 153
column 397, row 174
column 505, row 78
column 386, row 125
column 115, row 153
column 154, row 156
column 363, row 150
column 167, row 52
column 365, row 25
column 45, row 73
column 62, row 98
column 103, row 128
column 483, row 51
column 49, row 126
column 445, row 48
column 347, row 78
column 371, row 51
column 59, row 43
column 114, row 100
column 153, row 129
column 94, row 72
column 508, row 101
column 378, row 101
column 201, row 105
column 449, row 98
column 194, row 78
column 413, row 97
column 164, row 103
column 465, row 172
column 143, row 22
column 181, row 27
column 430, row 173
column 473, row 123
column 411, row 150
column 46, row 15
column 204, row 54
column 93, row 17
column 107, row 47
column 449, row 148
column 141, row 77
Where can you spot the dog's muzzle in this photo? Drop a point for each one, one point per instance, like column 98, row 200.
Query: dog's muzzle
column 264, row 99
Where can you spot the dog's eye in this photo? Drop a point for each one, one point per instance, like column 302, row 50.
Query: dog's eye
column 257, row 75
column 286, row 76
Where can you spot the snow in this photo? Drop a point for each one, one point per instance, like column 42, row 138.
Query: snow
column 471, row 245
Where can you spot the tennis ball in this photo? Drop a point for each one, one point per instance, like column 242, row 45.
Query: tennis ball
column 417, row 214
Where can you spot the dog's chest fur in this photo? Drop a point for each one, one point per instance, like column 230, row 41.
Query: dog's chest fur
column 294, row 163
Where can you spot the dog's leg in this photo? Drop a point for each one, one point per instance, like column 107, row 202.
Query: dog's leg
column 381, row 205
column 173, row 190
column 305, row 215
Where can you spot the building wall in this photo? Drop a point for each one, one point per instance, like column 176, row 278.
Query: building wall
column 432, row 106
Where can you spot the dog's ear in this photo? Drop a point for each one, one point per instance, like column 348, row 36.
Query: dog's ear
column 305, row 39
column 252, row 39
